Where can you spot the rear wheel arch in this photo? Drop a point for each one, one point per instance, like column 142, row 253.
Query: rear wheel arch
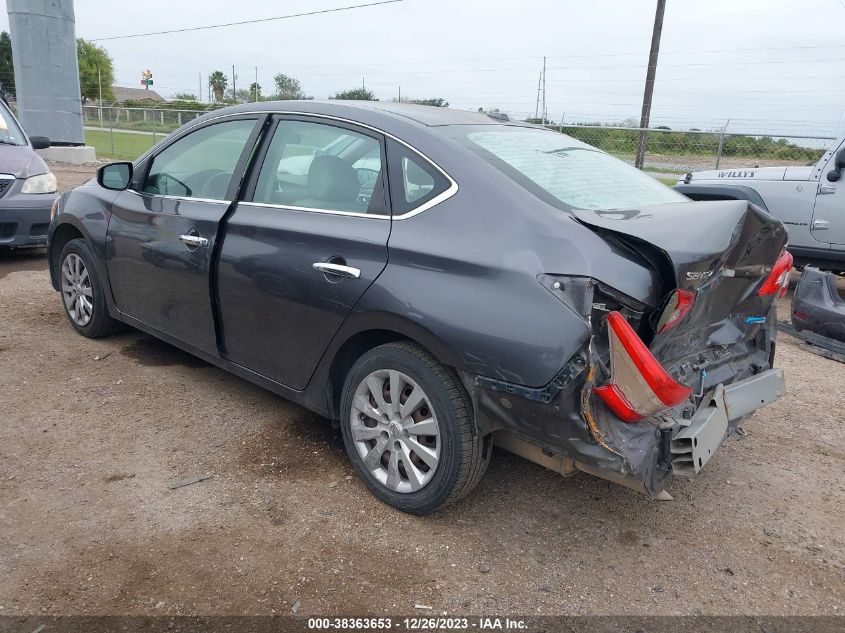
column 362, row 341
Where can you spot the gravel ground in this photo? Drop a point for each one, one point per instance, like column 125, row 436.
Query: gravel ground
column 94, row 430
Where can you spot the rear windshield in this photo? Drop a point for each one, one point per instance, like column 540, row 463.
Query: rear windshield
column 576, row 174
column 10, row 133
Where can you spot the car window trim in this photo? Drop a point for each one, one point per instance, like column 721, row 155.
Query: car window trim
column 251, row 181
column 163, row 196
column 442, row 197
column 148, row 159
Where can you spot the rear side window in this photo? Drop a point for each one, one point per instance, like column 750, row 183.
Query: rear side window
column 575, row 173
column 413, row 180
column 323, row 167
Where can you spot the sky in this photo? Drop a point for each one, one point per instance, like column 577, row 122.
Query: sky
column 767, row 65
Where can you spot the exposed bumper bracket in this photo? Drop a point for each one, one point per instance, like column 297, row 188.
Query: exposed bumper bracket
column 694, row 445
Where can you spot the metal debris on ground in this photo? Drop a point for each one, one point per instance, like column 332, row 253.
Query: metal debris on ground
column 187, row 481
column 816, row 343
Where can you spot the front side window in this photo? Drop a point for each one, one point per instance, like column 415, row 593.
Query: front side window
column 201, row 164
column 322, row 166
column 574, row 173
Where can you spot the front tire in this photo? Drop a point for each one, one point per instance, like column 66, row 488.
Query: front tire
column 83, row 296
column 407, row 427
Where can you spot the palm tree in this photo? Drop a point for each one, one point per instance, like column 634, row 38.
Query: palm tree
column 255, row 91
column 218, row 82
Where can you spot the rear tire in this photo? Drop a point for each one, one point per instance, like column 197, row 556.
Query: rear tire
column 421, row 452
column 83, row 296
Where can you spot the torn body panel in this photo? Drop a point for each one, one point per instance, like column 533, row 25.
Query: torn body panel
column 817, row 306
column 720, row 333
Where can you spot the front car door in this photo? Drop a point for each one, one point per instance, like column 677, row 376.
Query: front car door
column 162, row 231
column 829, row 213
column 306, row 241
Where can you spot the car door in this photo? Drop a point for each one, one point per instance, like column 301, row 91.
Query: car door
column 829, row 212
column 163, row 229
column 307, row 239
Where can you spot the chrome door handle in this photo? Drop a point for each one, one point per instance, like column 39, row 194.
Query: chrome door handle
column 820, row 225
column 193, row 240
column 337, row 269
column 826, row 190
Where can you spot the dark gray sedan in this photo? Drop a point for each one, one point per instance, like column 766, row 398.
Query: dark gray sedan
column 437, row 281
column 27, row 187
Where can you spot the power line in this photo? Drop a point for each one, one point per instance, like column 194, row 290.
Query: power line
column 242, row 22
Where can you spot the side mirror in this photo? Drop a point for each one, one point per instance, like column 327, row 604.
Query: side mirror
column 115, row 176
column 840, row 159
column 838, row 165
column 39, row 142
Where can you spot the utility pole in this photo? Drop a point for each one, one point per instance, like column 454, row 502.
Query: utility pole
column 649, row 82
column 199, row 85
column 234, row 91
column 545, row 112
column 400, row 94
column 722, row 142
column 100, row 87
column 256, row 84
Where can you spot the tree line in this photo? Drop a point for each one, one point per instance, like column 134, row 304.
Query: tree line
column 95, row 69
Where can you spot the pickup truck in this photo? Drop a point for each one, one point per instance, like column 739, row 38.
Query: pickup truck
column 809, row 200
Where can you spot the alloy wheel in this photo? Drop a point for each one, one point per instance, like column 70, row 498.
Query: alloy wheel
column 76, row 290
column 395, row 430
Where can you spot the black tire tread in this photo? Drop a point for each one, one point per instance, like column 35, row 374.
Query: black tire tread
column 102, row 323
column 477, row 458
column 474, row 451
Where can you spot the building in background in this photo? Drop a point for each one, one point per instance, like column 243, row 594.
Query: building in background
column 122, row 94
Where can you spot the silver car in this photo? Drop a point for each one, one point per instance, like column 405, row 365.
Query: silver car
column 27, row 186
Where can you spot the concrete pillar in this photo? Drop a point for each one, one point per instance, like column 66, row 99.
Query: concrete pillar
column 46, row 72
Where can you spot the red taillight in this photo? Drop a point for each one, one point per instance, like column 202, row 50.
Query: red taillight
column 639, row 386
column 778, row 280
column 618, row 403
column 683, row 300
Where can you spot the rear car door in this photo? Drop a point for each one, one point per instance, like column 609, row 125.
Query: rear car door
column 307, row 239
column 162, row 231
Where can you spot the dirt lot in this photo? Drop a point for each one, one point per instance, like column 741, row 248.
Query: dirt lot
column 93, row 431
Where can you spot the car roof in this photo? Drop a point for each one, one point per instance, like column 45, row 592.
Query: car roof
column 431, row 116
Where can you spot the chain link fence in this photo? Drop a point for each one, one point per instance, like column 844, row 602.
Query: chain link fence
column 674, row 152
column 126, row 132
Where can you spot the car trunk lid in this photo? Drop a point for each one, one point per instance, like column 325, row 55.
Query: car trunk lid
column 718, row 252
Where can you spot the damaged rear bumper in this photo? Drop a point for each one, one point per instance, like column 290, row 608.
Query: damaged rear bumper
column 699, row 438
column 639, row 456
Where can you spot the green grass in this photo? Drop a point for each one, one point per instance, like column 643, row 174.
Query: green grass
column 118, row 145
column 662, row 170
